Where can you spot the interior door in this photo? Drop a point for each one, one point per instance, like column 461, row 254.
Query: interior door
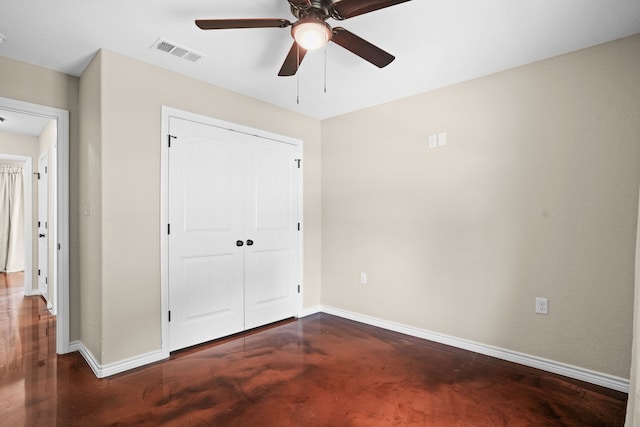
column 233, row 242
column 43, row 227
column 271, row 262
column 205, row 265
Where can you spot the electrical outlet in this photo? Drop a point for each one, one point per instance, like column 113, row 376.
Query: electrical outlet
column 542, row 306
column 363, row 278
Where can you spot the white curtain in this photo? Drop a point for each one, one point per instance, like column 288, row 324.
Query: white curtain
column 11, row 219
column 633, row 404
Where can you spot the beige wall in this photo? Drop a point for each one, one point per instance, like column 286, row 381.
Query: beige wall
column 37, row 85
column 19, row 145
column 536, row 194
column 131, row 97
column 89, row 211
column 24, row 145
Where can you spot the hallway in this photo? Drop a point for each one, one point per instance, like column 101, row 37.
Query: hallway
column 317, row 371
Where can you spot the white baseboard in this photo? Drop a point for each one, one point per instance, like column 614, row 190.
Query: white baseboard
column 593, row 377
column 31, row 292
column 308, row 311
column 102, row 371
column 598, row 378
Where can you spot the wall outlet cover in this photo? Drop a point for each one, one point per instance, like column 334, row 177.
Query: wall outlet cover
column 542, row 305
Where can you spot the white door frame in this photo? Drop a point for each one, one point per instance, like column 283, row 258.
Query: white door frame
column 27, row 177
column 43, row 210
column 60, row 221
column 168, row 112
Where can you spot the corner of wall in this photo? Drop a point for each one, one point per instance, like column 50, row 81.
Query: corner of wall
column 89, row 217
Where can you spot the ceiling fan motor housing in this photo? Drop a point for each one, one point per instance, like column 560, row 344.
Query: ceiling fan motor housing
column 319, row 7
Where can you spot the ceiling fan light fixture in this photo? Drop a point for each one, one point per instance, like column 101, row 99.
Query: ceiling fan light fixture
column 311, row 33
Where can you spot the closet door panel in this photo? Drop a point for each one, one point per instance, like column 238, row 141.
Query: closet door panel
column 271, row 264
column 206, row 268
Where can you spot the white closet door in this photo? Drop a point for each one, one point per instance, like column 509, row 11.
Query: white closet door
column 271, row 263
column 233, row 243
column 206, row 291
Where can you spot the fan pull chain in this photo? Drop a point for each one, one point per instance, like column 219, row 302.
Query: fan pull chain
column 325, row 68
column 297, row 74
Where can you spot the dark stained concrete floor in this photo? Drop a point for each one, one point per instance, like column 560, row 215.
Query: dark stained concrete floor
column 317, row 371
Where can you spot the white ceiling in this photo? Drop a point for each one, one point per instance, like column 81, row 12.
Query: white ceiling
column 436, row 43
column 22, row 123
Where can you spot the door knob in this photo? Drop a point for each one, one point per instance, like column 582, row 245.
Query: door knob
column 249, row 242
column 239, row 243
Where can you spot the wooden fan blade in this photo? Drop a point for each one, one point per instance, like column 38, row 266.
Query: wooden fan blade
column 225, row 24
column 361, row 47
column 293, row 60
column 349, row 8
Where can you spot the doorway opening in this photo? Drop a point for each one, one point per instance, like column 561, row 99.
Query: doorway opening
column 20, row 118
column 16, row 199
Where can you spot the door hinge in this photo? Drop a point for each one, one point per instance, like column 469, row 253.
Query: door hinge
column 298, row 288
column 299, row 161
column 45, row 169
column 59, row 247
column 298, row 226
column 46, row 280
column 168, row 228
column 38, row 272
column 38, row 223
column 169, row 138
column 169, row 315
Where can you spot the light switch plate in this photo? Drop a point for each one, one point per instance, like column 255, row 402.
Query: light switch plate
column 442, row 139
column 433, row 141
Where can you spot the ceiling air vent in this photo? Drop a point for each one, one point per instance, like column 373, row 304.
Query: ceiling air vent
column 175, row 50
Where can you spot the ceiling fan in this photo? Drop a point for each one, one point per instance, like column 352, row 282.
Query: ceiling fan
column 311, row 30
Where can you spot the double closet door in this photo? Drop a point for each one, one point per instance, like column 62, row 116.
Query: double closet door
column 233, row 232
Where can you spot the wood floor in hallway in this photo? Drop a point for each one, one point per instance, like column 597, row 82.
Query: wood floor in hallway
column 317, row 371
